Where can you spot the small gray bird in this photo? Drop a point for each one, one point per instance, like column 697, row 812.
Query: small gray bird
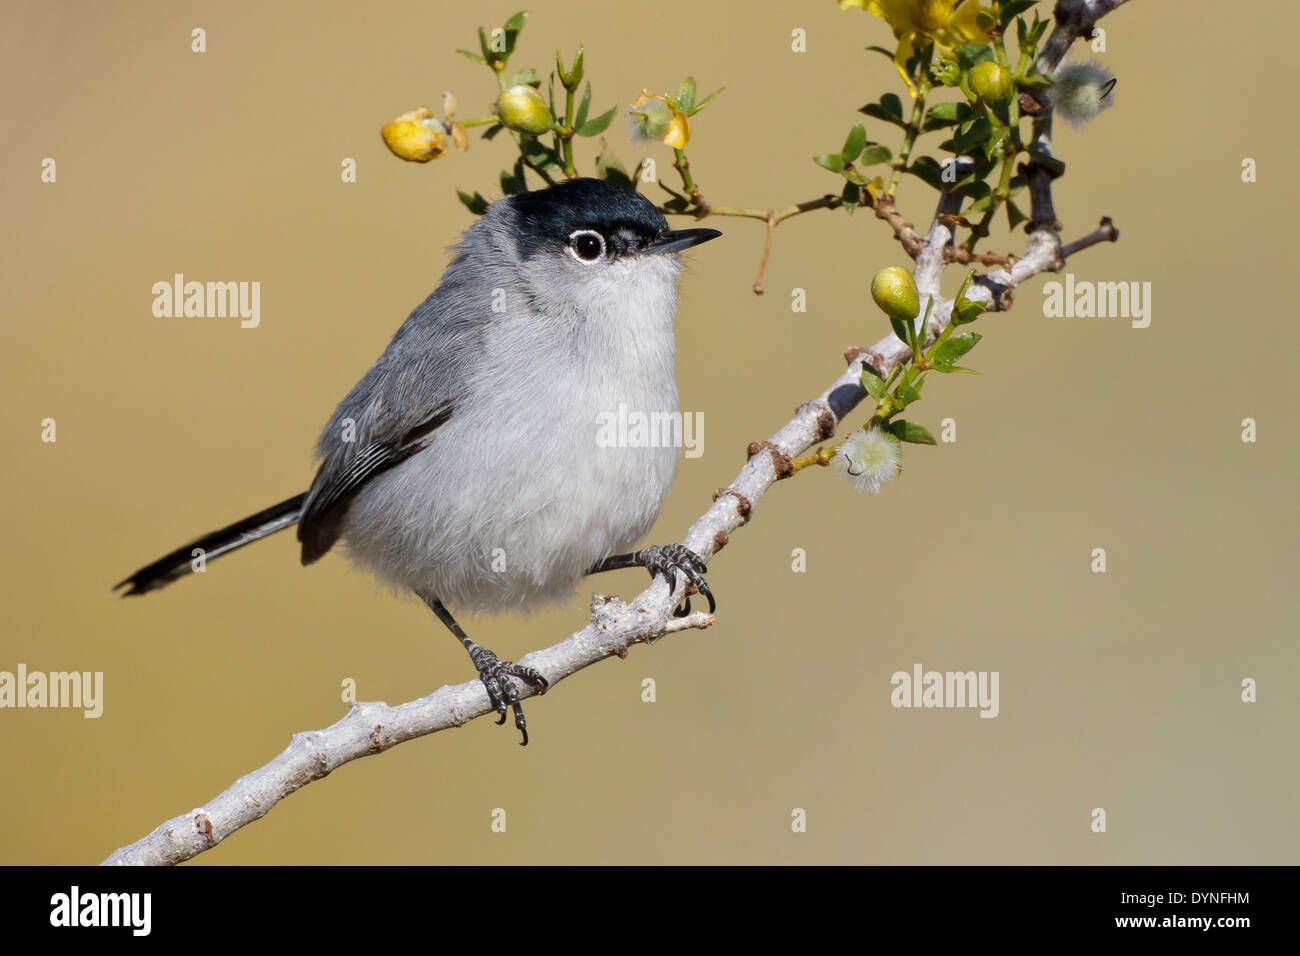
column 465, row 465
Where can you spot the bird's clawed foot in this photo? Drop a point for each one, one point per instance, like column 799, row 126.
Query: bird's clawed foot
column 495, row 674
column 668, row 559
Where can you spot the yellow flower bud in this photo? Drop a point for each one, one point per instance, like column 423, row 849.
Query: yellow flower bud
column 895, row 292
column 522, row 108
column 990, row 81
column 415, row 136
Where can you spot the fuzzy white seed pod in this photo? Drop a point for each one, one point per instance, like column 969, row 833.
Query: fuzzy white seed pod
column 868, row 459
column 1080, row 91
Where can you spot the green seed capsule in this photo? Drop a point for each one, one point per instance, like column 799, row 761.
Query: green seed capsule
column 990, row 81
column 522, row 108
column 895, row 292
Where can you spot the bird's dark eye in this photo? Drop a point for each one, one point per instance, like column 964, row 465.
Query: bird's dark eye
column 587, row 245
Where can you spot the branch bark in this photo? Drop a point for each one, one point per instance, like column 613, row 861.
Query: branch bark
column 371, row 728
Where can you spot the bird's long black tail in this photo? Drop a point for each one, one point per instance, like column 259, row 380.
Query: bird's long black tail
column 181, row 561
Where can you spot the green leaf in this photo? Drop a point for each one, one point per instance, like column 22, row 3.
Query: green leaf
column 1034, row 81
column 968, row 54
column 1050, row 163
column 889, row 109
column 492, row 131
column 901, row 330
column 927, row 169
column 1014, row 216
column 875, row 154
column 1011, row 9
column 907, row 431
column 571, row 77
column 526, row 77
column 974, row 188
column 854, row 143
column 965, row 284
column 1022, row 37
column 872, row 383
column 1030, row 34
column 888, row 54
column 906, row 395
column 510, row 184
column 609, row 168
column 584, row 104
column 952, row 369
column 472, row 56
column 851, row 196
column 475, row 203
column 832, row 161
column 488, row 55
column 946, row 114
column 576, row 72
column 540, row 156
column 705, row 102
column 512, row 27
column 965, row 311
column 598, row 124
column 955, row 347
column 919, row 60
column 686, row 95
column 976, row 171
column 976, row 135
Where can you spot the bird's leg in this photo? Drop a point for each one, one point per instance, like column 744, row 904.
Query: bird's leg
column 494, row 672
column 666, row 559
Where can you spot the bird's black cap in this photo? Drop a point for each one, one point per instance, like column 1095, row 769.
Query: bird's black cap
column 629, row 221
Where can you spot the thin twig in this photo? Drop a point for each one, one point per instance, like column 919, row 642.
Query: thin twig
column 767, row 251
column 1106, row 232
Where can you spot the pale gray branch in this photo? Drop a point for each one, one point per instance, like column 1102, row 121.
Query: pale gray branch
column 371, row 728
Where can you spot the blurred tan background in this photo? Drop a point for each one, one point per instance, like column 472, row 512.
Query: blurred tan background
column 1119, row 691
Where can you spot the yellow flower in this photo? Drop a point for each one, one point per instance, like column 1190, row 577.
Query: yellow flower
column 917, row 22
column 415, row 136
column 658, row 117
column 419, row 136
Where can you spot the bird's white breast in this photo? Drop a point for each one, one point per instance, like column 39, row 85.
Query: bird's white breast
column 516, row 497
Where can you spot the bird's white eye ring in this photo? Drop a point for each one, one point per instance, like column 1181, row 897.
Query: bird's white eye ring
column 586, row 245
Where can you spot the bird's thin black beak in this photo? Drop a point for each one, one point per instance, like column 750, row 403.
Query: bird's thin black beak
column 675, row 240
